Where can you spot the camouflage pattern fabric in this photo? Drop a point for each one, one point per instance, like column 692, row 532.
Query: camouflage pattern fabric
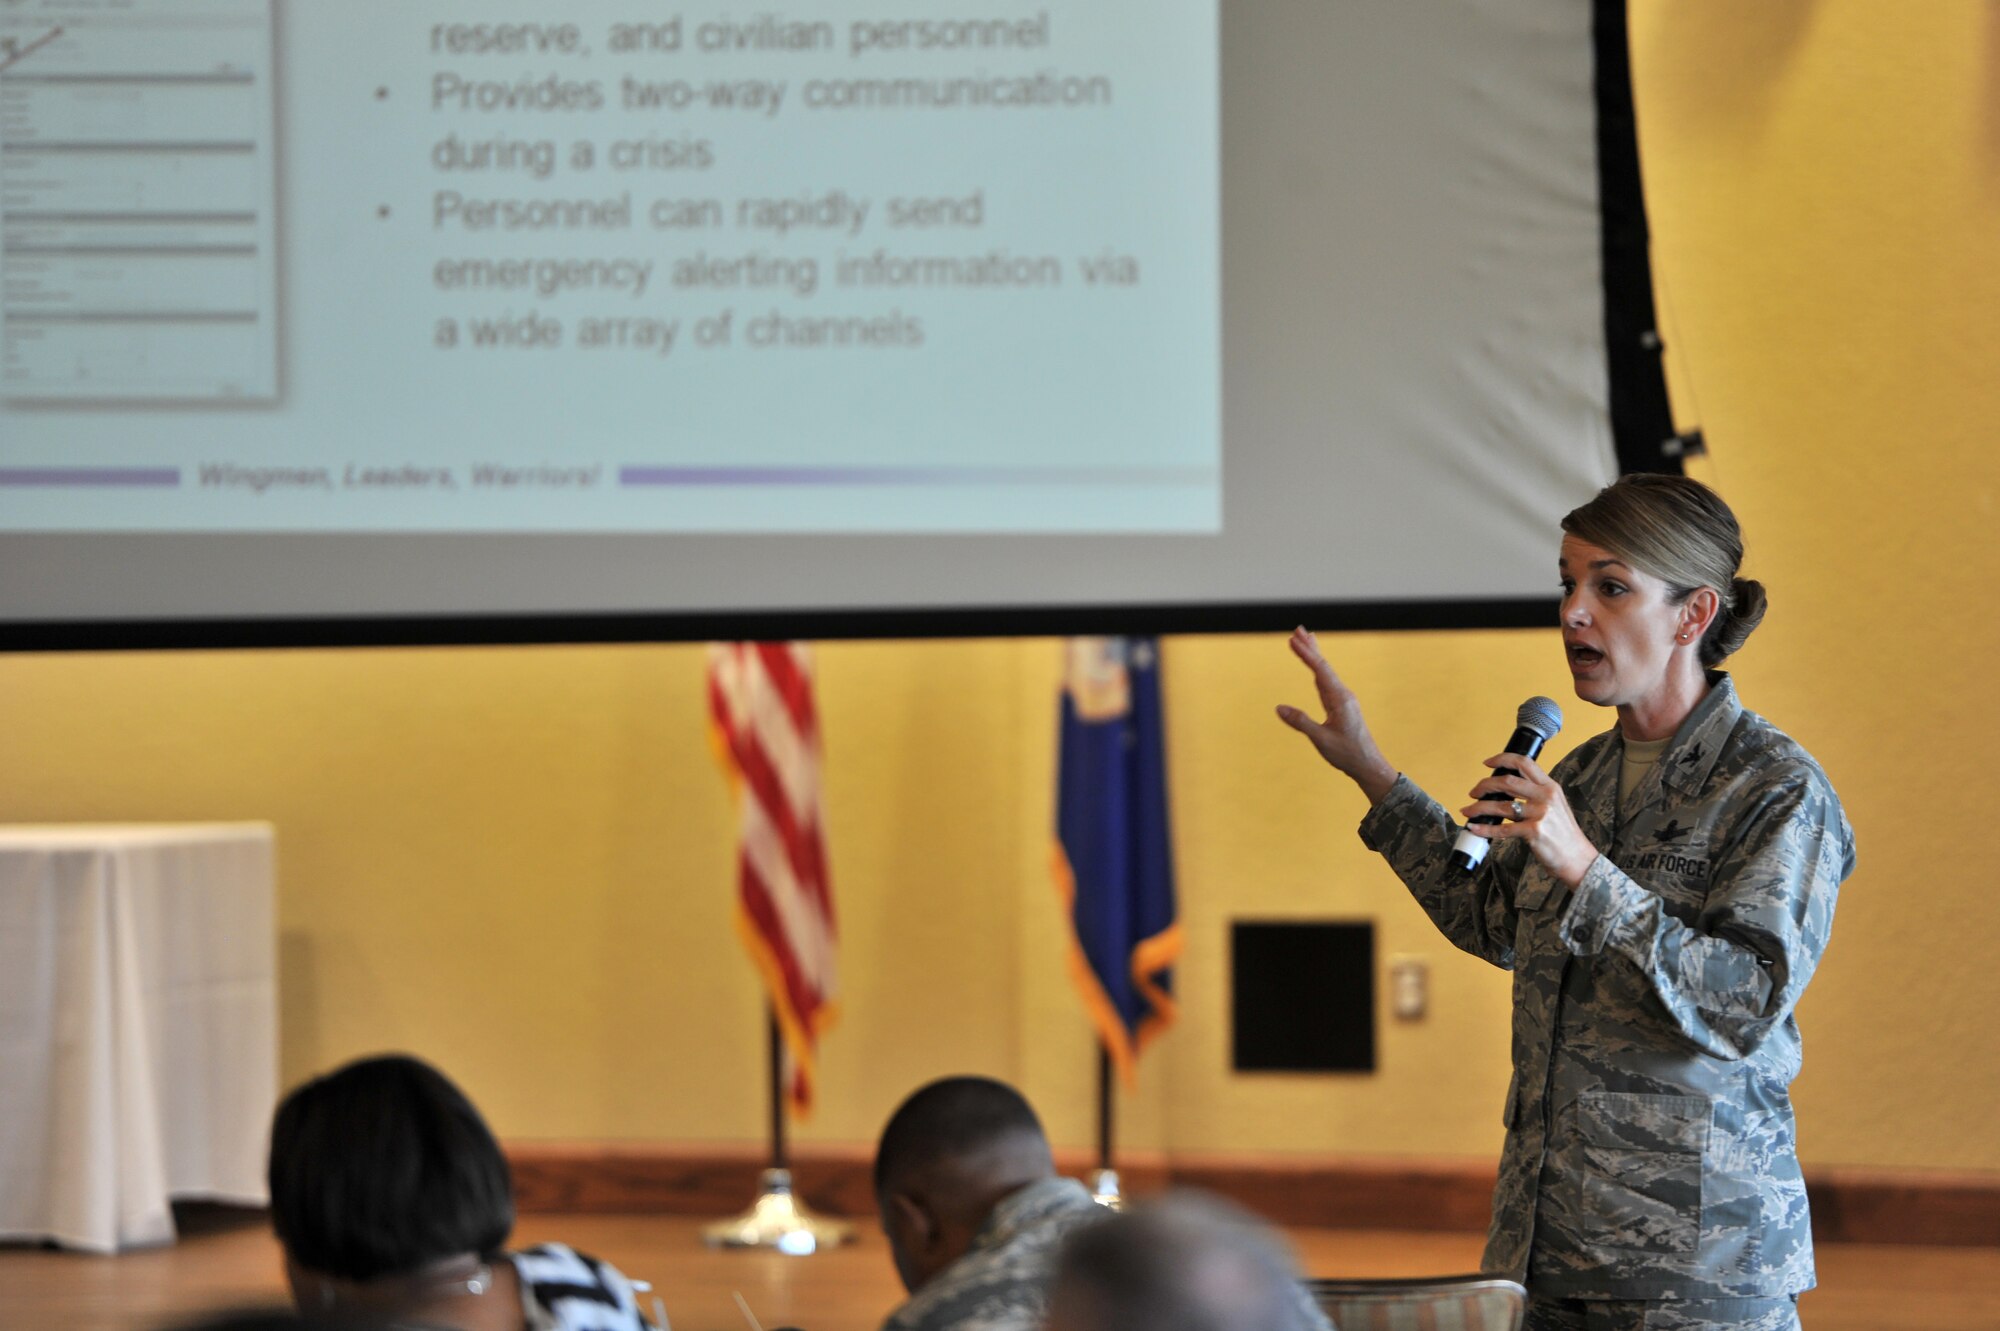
column 1002, row 1284
column 1650, row 1143
column 1663, row 1315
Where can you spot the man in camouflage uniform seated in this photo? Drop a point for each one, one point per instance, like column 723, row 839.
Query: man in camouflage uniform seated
column 973, row 1209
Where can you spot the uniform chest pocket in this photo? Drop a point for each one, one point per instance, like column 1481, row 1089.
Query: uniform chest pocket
column 1642, row 1158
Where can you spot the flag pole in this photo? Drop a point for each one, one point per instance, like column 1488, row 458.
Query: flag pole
column 1104, row 1093
column 780, row 1160
column 777, row 1219
column 1104, row 1186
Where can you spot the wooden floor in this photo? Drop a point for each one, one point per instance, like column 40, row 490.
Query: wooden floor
column 230, row 1260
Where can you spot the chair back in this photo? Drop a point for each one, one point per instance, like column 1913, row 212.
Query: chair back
column 1435, row 1303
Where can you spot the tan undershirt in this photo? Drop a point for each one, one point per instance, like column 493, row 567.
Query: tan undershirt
column 1640, row 755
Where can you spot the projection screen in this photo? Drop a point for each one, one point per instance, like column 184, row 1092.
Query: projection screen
column 367, row 319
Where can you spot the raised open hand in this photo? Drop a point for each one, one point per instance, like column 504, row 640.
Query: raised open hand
column 1342, row 737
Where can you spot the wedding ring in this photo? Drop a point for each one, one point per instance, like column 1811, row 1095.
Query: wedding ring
column 1518, row 809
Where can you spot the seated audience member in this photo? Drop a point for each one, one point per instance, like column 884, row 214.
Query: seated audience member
column 1188, row 1263
column 392, row 1201
column 973, row 1208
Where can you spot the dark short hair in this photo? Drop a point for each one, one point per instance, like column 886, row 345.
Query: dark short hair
column 382, row 1167
column 951, row 1117
column 1190, row 1262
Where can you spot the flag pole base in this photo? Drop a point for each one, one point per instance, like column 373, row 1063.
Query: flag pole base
column 778, row 1221
column 1105, row 1189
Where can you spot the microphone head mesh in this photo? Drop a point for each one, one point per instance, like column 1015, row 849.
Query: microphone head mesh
column 1540, row 715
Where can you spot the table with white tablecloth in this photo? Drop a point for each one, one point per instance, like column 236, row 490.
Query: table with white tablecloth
column 138, row 1026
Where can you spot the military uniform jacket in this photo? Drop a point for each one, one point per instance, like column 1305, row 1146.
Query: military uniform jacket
column 1002, row 1284
column 1650, row 1143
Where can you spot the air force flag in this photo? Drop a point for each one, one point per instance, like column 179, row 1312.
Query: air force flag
column 1114, row 864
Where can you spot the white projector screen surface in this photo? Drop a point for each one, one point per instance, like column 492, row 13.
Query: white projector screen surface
column 366, row 309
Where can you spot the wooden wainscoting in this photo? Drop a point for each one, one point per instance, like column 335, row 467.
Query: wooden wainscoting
column 1849, row 1205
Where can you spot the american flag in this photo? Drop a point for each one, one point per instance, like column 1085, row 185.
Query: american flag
column 766, row 733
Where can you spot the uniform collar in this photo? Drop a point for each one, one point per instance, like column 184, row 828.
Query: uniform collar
column 1683, row 766
column 1698, row 743
column 1026, row 1207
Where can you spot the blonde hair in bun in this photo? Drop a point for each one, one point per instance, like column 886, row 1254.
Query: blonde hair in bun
column 1680, row 531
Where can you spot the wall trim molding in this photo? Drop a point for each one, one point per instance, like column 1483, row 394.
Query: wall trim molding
column 1850, row 1204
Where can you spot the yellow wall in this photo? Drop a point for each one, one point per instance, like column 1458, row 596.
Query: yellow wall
column 518, row 861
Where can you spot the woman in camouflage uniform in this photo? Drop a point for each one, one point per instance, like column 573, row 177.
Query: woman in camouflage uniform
column 1662, row 898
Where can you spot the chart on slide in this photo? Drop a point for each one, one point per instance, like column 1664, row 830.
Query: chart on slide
column 138, row 223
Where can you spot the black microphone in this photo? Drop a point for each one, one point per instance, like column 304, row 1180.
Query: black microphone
column 1534, row 725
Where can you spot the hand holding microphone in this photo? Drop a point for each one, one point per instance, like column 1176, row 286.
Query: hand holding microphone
column 1522, row 801
column 1535, row 724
